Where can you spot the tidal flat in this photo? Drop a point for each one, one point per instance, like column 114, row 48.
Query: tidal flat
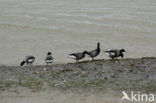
column 99, row 81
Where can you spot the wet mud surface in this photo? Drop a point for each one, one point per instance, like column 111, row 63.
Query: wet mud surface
column 93, row 76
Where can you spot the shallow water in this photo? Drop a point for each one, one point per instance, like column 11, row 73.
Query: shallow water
column 34, row 27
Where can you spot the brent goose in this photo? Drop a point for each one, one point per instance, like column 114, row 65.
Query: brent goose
column 115, row 53
column 28, row 60
column 49, row 58
column 95, row 52
column 77, row 56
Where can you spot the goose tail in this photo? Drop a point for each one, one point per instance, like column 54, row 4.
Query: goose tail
column 72, row 56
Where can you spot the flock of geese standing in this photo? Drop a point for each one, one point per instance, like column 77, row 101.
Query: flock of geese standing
column 78, row 56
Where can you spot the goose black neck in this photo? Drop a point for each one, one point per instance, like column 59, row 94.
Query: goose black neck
column 121, row 54
column 98, row 46
column 85, row 52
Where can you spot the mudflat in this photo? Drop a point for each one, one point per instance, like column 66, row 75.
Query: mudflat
column 99, row 81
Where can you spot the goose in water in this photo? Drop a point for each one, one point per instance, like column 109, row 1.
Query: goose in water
column 115, row 53
column 77, row 56
column 49, row 58
column 28, row 60
column 95, row 52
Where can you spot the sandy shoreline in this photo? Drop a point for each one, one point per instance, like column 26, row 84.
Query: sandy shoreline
column 88, row 82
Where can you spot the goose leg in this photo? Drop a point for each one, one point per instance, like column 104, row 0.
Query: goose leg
column 112, row 58
column 92, row 59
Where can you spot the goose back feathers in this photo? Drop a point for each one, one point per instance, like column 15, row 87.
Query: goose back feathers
column 77, row 56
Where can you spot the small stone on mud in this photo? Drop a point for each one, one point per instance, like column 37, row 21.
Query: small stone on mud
column 44, row 69
column 131, row 65
column 82, row 99
column 69, row 85
column 35, row 90
column 84, row 74
column 116, row 62
column 122, row 64
column 35, row 72
column 113, row 76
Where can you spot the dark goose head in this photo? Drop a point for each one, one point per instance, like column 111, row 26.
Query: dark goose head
column 22, row 63
column 85, row 52
column 49, row 53
column 122, row 50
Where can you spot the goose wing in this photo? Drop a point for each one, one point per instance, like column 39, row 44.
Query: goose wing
column 49, row 59
column 116, row 51
column 30, row 58
column 73, row 55
column 111, row 52
column 78, row 55
column 92, row 52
